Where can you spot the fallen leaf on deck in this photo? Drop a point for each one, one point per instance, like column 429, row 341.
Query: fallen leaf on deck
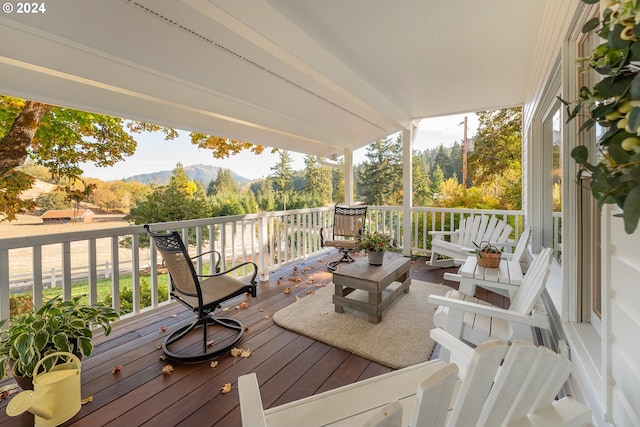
column 324, row 313
column 310, row 281
column 278, row 282
column 86, row 400
column 297, row 279
column 163, row 357
column 244, row 305
column 266, row 316
column 295, row 268
column 237, row 307
column 310, row 292
column 287, row 291
column 116, row 369
column 261, row 310
column 214, row 364
column 163, row 329
column 235, row 352
column 226, row 388
column 209, row 343
column 246, row 353
column 225, row 309
column 297, row 298
column 167, row 369
column 8, row 390
column 158, row 346
column 174, row 315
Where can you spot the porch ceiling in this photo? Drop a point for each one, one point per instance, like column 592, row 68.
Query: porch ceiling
column 304, row 75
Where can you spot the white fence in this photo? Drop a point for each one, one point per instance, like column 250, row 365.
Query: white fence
column 271, row 240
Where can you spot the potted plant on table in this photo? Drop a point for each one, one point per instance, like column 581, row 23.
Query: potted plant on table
column 375, row 244
column 613, row 103
column 58, row 326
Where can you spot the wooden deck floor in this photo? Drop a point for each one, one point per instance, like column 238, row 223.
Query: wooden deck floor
column 289, row 366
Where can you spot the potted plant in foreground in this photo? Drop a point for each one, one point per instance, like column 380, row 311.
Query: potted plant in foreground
column 375, row 243
column 613, row 103
column 57, row 326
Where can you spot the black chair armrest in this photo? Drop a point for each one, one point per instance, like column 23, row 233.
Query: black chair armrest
column 217, row 266
column 235, row 267
column 322, row 239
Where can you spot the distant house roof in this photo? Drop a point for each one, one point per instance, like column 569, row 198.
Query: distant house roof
column 67, row 213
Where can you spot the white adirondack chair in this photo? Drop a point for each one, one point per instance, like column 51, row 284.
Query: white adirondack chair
column 489, row 392
column 475, row 228
column 505, row 280
column 476, row 321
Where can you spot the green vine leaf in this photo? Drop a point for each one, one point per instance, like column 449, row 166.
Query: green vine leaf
column 590, row 25
column 631, row 209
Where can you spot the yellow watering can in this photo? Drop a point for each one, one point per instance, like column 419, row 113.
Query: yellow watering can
column 56, row 394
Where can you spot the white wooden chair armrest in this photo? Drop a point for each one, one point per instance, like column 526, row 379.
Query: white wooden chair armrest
column 251, row 410
column 454, row 304
column 442, row 233
column 354, row 402
column 460, row 352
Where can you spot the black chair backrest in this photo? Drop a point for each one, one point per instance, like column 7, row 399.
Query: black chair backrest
column 349, row 221
column 176, row 257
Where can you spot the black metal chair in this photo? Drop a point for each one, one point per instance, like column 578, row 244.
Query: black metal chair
column 203, row 294
column 348, row 223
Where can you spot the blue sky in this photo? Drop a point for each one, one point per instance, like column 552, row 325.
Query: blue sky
column 154, row 154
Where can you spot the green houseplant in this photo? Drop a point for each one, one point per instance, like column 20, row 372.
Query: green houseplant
column 375, row 243
column 57, row 326
column 613, row 103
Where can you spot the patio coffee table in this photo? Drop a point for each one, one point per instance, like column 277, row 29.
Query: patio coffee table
column 373, row 279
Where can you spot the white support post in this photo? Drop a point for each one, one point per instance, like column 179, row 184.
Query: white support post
column 408, row 135
column 348, row 177
column 263, row 248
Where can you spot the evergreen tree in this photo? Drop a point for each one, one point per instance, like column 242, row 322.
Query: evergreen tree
column 283, row 176
column 380, row 178
column 224, row 183
column 318, row 186
column 421, row 182
column 437, row 179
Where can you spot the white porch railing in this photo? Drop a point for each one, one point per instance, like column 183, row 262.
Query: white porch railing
column 273, row 239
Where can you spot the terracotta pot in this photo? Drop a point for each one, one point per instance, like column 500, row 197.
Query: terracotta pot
column 375, row 258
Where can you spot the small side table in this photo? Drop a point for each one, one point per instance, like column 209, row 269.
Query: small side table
column 507, row 276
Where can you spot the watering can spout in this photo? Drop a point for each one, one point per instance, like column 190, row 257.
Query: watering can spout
column 56, row 394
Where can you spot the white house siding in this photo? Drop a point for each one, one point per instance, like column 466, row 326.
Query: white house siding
column 621, row 277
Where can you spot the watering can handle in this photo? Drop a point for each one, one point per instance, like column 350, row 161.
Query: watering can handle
column 56, row 354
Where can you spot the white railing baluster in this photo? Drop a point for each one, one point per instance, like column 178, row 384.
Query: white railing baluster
column 135, row 273
column 115, row 277
column 37, row 288
column 66, row 270
column 93, row 272
column 5, row 291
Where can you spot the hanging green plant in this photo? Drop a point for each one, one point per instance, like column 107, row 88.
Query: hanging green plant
column 614, row 104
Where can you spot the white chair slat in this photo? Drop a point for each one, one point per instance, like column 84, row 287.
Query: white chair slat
column 434, row 397
column 537, row 385
column 511, row 378
column 477, row 383
column 533, row 283
column 484, row 225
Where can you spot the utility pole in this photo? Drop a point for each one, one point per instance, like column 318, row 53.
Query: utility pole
column 464, row 156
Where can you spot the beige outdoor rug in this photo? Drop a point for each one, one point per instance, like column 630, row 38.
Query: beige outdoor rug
column 400, row 339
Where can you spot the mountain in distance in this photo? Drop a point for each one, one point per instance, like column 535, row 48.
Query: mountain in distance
column 204, row 173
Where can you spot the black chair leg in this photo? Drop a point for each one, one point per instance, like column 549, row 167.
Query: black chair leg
column 346, row 257
column 210, row 351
